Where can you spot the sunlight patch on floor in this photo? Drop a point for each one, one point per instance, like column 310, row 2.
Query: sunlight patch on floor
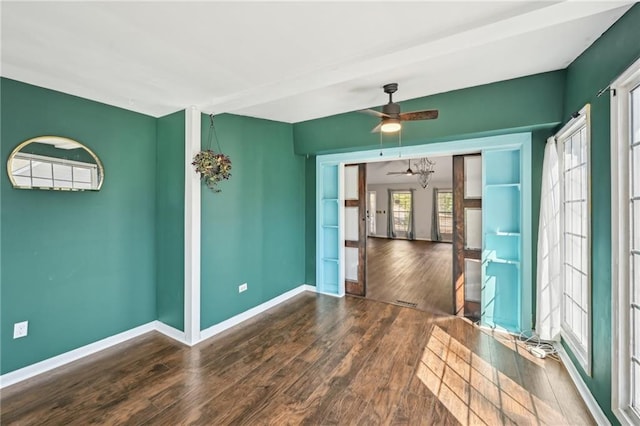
column 474, row 391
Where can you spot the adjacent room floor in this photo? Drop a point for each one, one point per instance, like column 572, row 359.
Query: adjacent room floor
column 411, row 273
column 316, row 360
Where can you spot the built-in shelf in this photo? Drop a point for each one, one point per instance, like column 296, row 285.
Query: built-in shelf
column 505, row 261
column 330, row 259
column 503, row 234
column 330, row 226
column 503, row 185
column 329, row 199
column 502, row 243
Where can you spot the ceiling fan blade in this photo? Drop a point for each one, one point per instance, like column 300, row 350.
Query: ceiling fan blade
column 405, row 173
column 377, row 128
column 374, row 113
column 419, row 115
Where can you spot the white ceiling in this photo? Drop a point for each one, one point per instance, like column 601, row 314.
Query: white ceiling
column 377, row 171
column 287, row 61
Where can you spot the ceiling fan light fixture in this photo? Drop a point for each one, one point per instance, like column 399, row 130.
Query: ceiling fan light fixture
column 390, row 125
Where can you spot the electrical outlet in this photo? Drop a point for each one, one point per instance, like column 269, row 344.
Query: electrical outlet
column 20, row 329
column 242, row 287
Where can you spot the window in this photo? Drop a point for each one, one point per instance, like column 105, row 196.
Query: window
column 371, row 212
column 625, row 221
column 401, row 213
column 573, row 147
column 40, row 171
column 445, row 213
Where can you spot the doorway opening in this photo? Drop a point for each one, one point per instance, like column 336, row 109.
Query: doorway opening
column 409, row 252
column 503, row 238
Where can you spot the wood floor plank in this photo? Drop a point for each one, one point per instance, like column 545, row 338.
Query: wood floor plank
column 417, row 272
column 312, row 360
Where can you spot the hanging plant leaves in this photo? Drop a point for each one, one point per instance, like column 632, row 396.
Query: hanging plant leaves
column 213, row 168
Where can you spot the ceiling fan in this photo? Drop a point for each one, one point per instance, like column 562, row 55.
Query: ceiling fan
column 391, row 118
column 408, row 172
column 424, row 171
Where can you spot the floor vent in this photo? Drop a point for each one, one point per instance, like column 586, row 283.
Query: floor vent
column 402, row 302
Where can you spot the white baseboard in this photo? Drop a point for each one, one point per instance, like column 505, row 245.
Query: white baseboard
column 233, row 321
column 67, row 357
column 171, row 332
column 583, row 390
column 309, row 287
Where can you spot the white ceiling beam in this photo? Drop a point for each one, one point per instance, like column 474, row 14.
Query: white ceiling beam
column 536, row 20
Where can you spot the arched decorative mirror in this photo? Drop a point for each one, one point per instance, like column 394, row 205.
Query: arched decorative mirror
column 54, row 162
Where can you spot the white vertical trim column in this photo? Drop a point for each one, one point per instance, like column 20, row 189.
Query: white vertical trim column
column 192, row 145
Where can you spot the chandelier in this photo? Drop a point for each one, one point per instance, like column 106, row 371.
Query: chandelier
column 425, row 171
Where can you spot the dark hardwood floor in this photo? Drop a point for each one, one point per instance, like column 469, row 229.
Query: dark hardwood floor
column 312, row 360
column 417, row 272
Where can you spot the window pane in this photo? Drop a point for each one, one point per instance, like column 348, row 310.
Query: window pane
column 401, row 211
column 473, row 176
column 21, row 167
column 635, row 270
column 63, row 184
column 575, row 229
column 351, row 223
column 635, row 337
column 81, row 174
column 635, row 227
column 62, row 172
column 472, row 228
column 45, row 183
column 22, row 180
column 635, row 182
column 351, row 263
column 445, row 211
column 634, row 244
column 635, row 115
column 585, row 327
column 635, row 397
column 351, row 182
column 81, row 185
column 473, row 280
column 41, row 170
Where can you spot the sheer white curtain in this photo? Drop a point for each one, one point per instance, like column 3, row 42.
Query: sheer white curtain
column 548, row 277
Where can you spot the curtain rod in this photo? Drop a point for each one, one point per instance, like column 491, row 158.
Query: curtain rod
column 608, row 87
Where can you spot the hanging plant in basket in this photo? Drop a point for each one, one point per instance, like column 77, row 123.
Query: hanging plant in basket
column 213, row 167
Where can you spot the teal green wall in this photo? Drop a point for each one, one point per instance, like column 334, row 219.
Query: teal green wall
column 510, row 106
column 310, row 220
column 79, row 266
column 253, row 231
column 531, row 103
column 170, row 219
column 593, row 70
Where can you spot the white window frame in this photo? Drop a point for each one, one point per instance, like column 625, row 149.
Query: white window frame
column 409, row 212
column 581, row 352
column 620, row 245
column 440, row 191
